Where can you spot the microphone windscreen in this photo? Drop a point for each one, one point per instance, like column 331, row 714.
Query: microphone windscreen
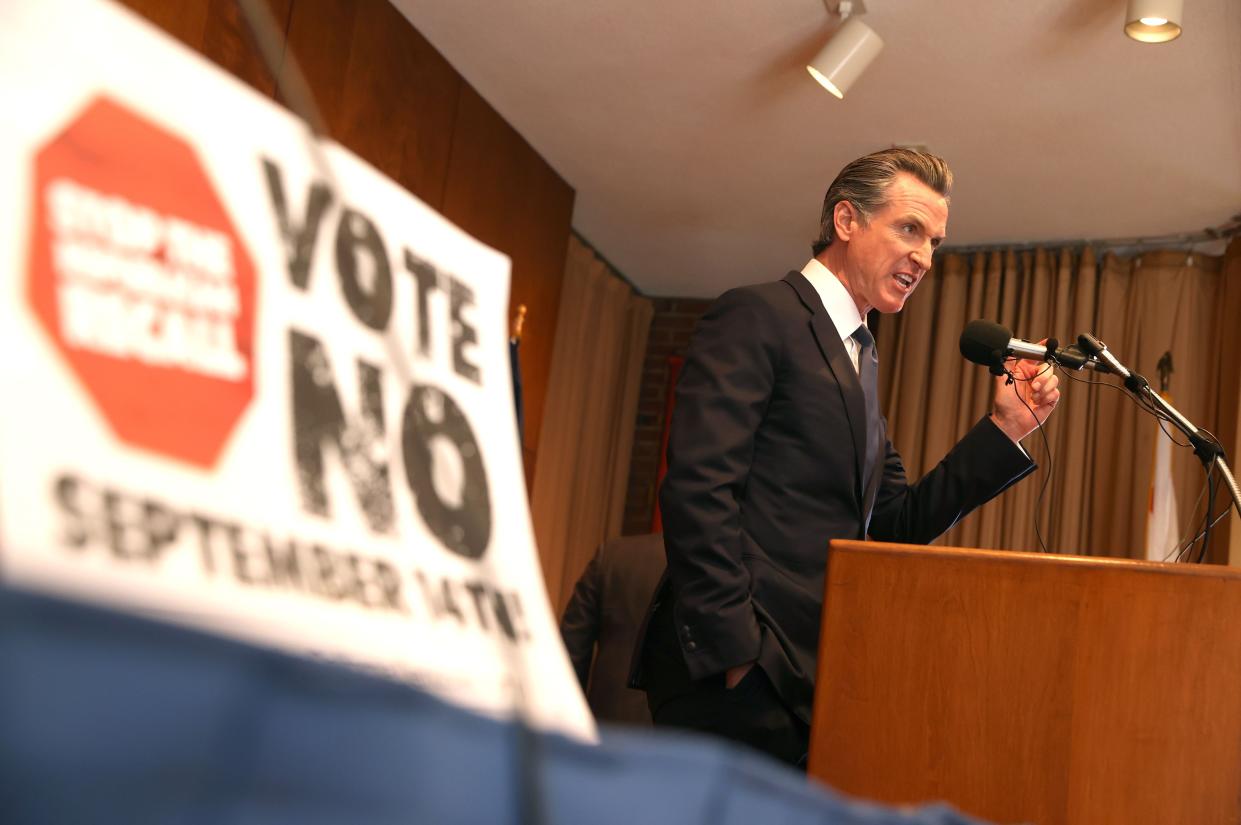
column 981, row 340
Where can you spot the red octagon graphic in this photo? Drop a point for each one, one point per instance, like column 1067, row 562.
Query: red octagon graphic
column 140, row 279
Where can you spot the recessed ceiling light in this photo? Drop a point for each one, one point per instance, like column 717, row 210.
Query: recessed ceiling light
column 1153, row 21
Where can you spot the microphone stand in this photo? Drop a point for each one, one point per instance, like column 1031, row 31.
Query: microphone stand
column 1208, row 450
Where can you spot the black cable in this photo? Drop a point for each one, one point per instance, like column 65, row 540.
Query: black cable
column 1161, row 417
column 1145, row 403
column 1186, row 551
column 1184, row 543
column 1206, row 531
column 1141, row 403
column 1038, row 504
column 1212, row 490
column 1071, row 374
column 1214, row 441
column 1171, row 437
column 1214, row 522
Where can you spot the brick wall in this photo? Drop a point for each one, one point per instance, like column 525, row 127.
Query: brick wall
column 671, row 328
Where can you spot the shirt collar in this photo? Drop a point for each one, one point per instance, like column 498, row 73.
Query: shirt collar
column 836, row 299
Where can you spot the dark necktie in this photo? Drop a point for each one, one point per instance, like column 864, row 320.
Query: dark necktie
column 868, row 374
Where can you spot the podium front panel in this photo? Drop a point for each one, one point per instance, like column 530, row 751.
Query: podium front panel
column 1031, row 688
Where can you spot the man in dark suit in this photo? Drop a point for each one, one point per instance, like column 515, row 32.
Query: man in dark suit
column 777, row 446
column 601, row 622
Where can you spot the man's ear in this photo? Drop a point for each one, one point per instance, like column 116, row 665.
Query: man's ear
column 846, row 220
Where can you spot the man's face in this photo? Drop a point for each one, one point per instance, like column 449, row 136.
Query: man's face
column 887, row 257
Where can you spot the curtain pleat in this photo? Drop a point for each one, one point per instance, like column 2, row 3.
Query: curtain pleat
column 1101, row 444
column 578, row 495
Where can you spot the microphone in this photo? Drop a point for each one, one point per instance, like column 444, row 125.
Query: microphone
column 1099, row 350
column 989, row 343
column 1136, row 384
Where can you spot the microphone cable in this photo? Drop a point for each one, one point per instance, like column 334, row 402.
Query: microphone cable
column 1211, row 489
column 1206, row 530
column 1185, row 542
column 1208, row 523
column 1218, row 518
column 1174, row 554
column 1038, row 504
column 1183, row 548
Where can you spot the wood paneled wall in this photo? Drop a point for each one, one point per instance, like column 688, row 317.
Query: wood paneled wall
column 387, row 94
column 217, row 30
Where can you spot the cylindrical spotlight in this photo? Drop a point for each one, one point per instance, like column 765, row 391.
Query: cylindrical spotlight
column 1153, row 21
column 845, row 57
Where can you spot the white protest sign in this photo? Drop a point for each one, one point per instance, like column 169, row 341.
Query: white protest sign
column 246, row 393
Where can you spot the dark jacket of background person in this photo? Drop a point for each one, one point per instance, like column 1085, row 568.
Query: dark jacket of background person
column 602, row 621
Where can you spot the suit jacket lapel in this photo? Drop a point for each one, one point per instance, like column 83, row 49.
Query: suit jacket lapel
column 833, row 351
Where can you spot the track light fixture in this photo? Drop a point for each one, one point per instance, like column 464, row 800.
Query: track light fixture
column 1153, row 21
column 847, row 54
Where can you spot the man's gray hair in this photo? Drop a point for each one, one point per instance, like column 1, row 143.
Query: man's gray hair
column 864, row 183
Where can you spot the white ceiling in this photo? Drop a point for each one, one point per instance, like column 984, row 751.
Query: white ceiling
column 700, row 147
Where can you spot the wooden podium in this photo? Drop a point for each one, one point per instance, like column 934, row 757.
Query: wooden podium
column 1031, row 688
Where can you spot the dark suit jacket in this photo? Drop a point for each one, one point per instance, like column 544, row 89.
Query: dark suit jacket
column 605, row 615
column 765, row 466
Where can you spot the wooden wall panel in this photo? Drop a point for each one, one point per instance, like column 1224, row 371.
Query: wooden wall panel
column 382, row 89
column 217, row 30
column 389, row 96
column 501, row 191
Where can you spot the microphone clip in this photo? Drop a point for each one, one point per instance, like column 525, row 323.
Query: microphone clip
column 996, row 365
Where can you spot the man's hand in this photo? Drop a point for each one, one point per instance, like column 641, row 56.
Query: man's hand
column 734, row 675
column 1037, row 385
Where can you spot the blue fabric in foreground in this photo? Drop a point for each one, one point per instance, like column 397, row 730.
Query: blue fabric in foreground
column 108, row 718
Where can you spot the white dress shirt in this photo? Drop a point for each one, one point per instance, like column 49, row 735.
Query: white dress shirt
column 839, row 305
column 842, row 310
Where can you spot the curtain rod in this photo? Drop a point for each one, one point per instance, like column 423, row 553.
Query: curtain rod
column 615, row 271
column 1177, row 241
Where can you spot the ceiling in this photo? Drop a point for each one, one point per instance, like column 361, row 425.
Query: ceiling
column 700, row 148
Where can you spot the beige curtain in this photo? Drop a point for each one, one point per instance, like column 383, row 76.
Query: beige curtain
column 580, row 480
column 1102, row 446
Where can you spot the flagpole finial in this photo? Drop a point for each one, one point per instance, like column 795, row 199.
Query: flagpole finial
column 1164, row 366
column 519, row 322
